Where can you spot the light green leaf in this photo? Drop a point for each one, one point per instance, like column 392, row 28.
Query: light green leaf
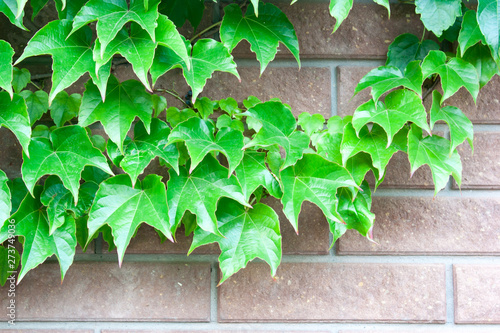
column 5, row 198
column 67, row 152
column 199, row 193
column 205, row 107
column 480, row 57
column 248, row 234
column 21, row 78
column 311, row 123
column 14, row 116
column 278, row 127
column 226, row 121
column 181, row 10
column 167, row 35
column 385, row 3
column 68, row 11
column 9, row 261
column 124, row 208
column 199, row 137
column 6, row 70
column 14, row 12
column 176, row 116
column 264, row 33
column 435, row 152
column 470, row 34
column 454, row 74
column 438, row 15
column 124, row 102
column 488, row 18
column 407, row 48
column 340, row 10
column 37, row 104
column 230, row 106
column 316, row 180
column 65, row 107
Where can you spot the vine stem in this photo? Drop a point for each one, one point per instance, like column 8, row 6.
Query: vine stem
column 204, row 31
column 174, row 94
column 431, row 88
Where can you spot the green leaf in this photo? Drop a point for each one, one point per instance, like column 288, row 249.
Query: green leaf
column 9, row 261
column 252, row 173
column 226, row 121
column 385, row 3
column 199, row 137
column 168, row 36
column 205, row 107
column 21, row 78
column 14, row 116
column 176, row 116
column 480, row 57
column 37, row 6
column 454, row 74
column 488, row 18
column 311, row 123
column 124, row 101
column 5, row 198
column 460, row 126
column 31, row 224
column 438, row 15
column 67, row 152
column 199, row 193
column 14, row 12
column 37, row 104
column 111, row 16
column 124, row 208
column 278, row 127
column 264, row 33
column 205, row 57
column 65, row 107
column 401, row 106
column 6, row 69
column 248, row 234
column 316, row 180
column 18, row 191
column 435, row 152
column 340, row 10
column 230, row 105
column 385, row 78
column 470, row 34
column 68, row 11
column 407, row 48
column 181, row 10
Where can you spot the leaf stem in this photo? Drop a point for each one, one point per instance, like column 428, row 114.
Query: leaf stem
column 174, row 94
column 423, row 35
column 204, row 31
column 431, row 88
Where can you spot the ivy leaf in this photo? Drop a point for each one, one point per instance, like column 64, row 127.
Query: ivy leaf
column 124, row 101
column 488, row 16
column 6, row 69
column 264, row 33
column 480, row 57
column 385, row 3
column 65, row 107
column 230, row 106
column 435, row 152
column 124, row 208
column 9, row 261
column 470, row 34
column 248, row 234
column 252, row 173
column 278, row 127
column 69, row 10
column 21, row 78
column 14, row 116
column 205, row 107
column 385, row 78
column 454, row 74
column 14, row 12
column 37, row 104
column 460, row 126
column 316, row 180
column 401, row 106
column 206, row 57
column 168, row 36
column 199, row 137
column 31, row 224
column 145, row 147
column 199, row 193
column 438, row 15
column 176, row 116
column 181, row 10
column 407, row 48
column 340, row 10
column 5, row 198
column 311, row 123
column 18, row 191
column 111, row 16
column 67, row 152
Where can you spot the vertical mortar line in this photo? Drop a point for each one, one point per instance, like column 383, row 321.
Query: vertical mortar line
column 333, row 90
column 450, row 295
column 213, row 292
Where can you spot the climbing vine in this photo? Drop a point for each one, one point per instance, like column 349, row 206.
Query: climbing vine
column 219, row 158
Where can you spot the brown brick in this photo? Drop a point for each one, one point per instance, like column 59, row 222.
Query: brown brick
column 328, row 292
column 210, row 331
column 46, row 331
column 348, row 78
column 439, row 329
column 481, row 170
column 104, row 292
column 477, row 294
column 444, row 225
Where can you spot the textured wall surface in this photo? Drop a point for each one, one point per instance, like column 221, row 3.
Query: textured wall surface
column 435, row 266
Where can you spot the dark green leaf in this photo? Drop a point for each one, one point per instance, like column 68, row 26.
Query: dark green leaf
column 18, row 191
column 181, row 10
column 37, row 104
column 9, row 261
column 470, row 34
column 480, row 57
column 68, row 11
column 407, row 48
column 6, row 70
column 21, row 78
column 65, row 107
column 14, row 116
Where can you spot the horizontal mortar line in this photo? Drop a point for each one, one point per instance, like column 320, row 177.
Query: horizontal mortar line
column 486, row 128
column 319, row 62
column 465, row 194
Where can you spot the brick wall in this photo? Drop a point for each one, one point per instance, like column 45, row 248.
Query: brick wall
column 435, row 266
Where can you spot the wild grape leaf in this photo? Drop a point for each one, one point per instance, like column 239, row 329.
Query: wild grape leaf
column 67, row 152
column 9, row 262
column 5, row 198
column 278, row 127
column 6, row 70
column 69, row 10
column 168, row 36
column 31, row 224
column 480, row 57
column 145, row 147
column 124, row 101
column 18, row 191
column 311, row 123
column 20, row 79
column 470, row 34
column 226, row 121
column 252, row 172
column 316, row 180
column 14, row 12
column 401, row 106
column 248, row 234
column 488, row 18
column 230, row 106
column 37, row 6
column 14, row 116
column 385, row 3
column 205, row 107
column 435, row 152
column 199, row 193
column 65, row 107
column 205, row 57
column 339, row 9
column 37, row 104
column 373, row 142
column 461, row 128
column 264, row 33
column 385, row 78
column 407, row 48
column 111, row 16
column 454, row 74
column 181, row 10
column 438, row 15
column 124, row 208
column 198, row 134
